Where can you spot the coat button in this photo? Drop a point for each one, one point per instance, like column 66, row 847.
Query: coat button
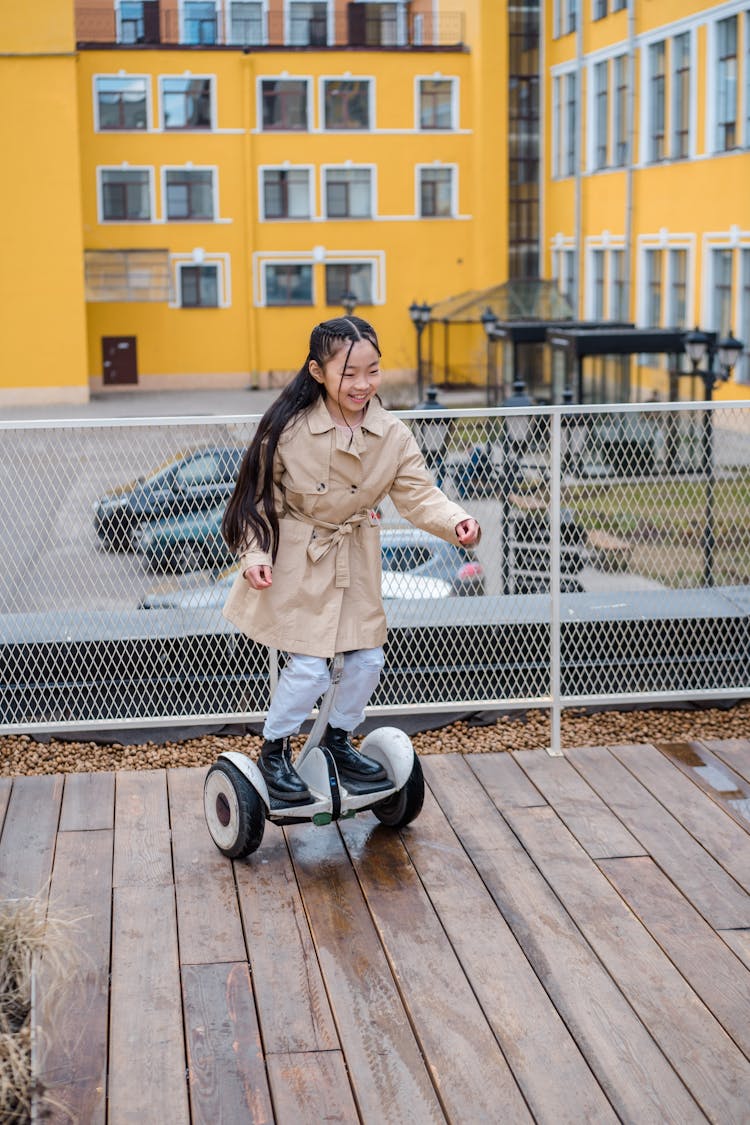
column 354, row 488
column 321, row 487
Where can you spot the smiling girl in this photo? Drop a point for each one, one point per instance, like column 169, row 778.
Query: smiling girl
column 302, row 519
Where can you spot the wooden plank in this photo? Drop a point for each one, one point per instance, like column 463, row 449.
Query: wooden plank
column 311, row 1087
column 730, row 791
column 467, row 1066
column 28, row 841
column 147, row 1050
column 6, row 784
column 88, row 802
column 73, row 1013
column 637, row 1079
column 595, row 826
column 549, row 1068
column 721, row 836
column 700, row 878
column 293, row 1008
column 227, row 1075
column 708, row 1061
column 141, row 799
column 389, row 1073
column 508, row 786
column 707, row 965
column 739, row 941
column 734, row 751
column 208, row 917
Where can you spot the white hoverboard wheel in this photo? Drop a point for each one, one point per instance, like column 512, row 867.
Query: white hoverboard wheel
column 235, row 813
column 405, row 805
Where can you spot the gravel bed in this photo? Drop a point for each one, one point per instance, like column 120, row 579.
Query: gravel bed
column 23, row 755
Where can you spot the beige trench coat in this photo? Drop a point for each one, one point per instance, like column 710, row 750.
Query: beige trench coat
column 325, row 597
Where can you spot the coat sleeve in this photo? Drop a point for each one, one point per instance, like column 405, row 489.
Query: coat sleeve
column 418, row 499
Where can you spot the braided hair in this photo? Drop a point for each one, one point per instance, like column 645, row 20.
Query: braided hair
column 251, row 510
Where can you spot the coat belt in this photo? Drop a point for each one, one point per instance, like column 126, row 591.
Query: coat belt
column 332, row 537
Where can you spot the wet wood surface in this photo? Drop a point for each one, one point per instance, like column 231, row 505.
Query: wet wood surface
column 553, row 940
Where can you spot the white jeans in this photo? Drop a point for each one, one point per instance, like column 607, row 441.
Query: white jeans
column 305, row 678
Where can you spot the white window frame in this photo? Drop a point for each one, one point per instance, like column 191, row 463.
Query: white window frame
column 125, row 167
column 199, row 258
column 734, row 239
column 455, row 103
column 692, row 96
column 349, row 166
column 712, row 85
column 283, row 77
column 330, row 22
column 319, row 256
column 181, row 7
column 591, row 114
column 149, row 103
column 296, row 260
column 606, row 244
column 435, row 166
column 226, row 17
column 561, row 245
column 286, row 166
column 664, row 240
column 347, row 77
column 187, row 75
column 213, row 169
column 353, row 260
column 560, row 127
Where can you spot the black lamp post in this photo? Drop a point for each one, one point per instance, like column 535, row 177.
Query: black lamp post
column 420, row 318
column 349, row 301
column 490, row 324
column 699, row 346
column 432, row 435
column 516, row 430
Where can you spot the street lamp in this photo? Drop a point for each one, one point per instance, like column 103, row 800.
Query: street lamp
column 420, row 318
column 700, row 346
column 491, row 324
column 516, row 431
column 349, row 301
column 432, row 435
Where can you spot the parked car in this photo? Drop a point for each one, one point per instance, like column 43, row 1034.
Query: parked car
column 392, row 585
column 409, row 550
column 196, row 481
column 185, row 543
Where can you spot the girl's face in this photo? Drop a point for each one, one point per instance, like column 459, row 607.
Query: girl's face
column 350, row 388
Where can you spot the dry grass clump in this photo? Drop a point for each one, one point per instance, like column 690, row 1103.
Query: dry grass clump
column 28, row 937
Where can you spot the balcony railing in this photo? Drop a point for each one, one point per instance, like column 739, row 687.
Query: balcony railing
column 146, row 24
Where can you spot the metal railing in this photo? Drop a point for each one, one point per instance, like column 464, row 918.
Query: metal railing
column 149, row 25
column 614, row 566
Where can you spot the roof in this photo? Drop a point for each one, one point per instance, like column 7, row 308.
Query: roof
column 532, row 299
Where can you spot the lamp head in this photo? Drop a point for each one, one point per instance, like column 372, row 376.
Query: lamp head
column 730, row 350
column 696, row 346
column 489, row 321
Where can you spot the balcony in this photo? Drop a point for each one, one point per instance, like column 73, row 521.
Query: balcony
column 247, row 27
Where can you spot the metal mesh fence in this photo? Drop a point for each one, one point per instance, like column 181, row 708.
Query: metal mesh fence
column 114, row 571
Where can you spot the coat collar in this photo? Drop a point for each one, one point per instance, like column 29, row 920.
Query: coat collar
column 320, row 421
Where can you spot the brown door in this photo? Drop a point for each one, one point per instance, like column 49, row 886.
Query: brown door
column 119, row 364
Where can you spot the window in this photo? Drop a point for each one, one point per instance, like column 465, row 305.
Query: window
column 564, row 273
column 600, row 9
column 346, row 104
column 656, row 83
column 246, row 22
column 571, row 11
column 681, row 95
column 726, row 88
column 620, row 137
column 570, row 161
column 189, row 195
column 601, row 113
column 288, row 284
column 348, row 193
column 199, row 26
column 436, row 103
column 597, row 284
column 284, row 104
column 619, row 5
column 126, row 195
column 742, row 370
column 132, row 22
column 346, row 277
column 199, row 287
column 618, row 302
column 122, row 103
column 436, row 193
column 186, row 103
column 286, row 193
column 721, row 272
column 308, row 24
column 677, row 312
column 653, row 288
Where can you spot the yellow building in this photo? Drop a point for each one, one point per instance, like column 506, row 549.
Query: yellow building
column 224, row 173
column 646, row 212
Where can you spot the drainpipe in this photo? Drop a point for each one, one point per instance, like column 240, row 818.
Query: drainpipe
column 628, row 232
column 578, row 221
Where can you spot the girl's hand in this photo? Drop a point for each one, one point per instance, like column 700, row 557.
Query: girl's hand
column 259, row 577
column 467, row 532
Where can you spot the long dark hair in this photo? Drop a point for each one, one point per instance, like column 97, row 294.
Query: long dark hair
column 251, row 512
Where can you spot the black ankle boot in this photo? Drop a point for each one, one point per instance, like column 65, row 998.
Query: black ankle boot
column 280, row 776
column 349, row 762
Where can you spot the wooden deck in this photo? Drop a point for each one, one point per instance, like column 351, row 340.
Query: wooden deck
column 553, row 940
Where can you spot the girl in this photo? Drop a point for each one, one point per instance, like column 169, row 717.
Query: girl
column 302, row 519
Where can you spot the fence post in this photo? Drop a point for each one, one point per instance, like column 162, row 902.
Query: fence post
column 555, row 568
